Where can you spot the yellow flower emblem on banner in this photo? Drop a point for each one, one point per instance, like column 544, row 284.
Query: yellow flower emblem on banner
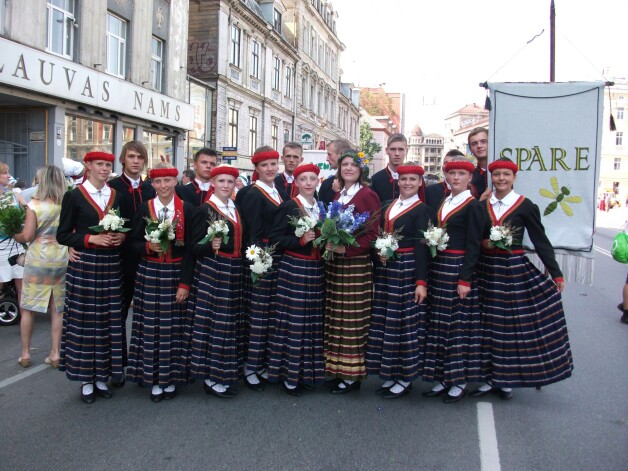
column 560, row 196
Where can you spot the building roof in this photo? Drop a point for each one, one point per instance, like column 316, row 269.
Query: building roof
column 473, row 108
column 416, row 131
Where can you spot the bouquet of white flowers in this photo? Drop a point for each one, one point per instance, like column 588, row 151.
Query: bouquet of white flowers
column 160, row 232
column 501, row 236
column 217, row 227
column 302, row 224
column 387, row 243
column 112, row 222
column 435, row 238
column 261, row 261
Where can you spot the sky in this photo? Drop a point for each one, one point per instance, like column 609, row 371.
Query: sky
column 438, row 51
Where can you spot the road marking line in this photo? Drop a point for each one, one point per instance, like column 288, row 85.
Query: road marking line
column 31, row 371
column 602, row 251
column 489, row 453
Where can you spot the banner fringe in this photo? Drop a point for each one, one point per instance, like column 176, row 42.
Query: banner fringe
column 575, row 268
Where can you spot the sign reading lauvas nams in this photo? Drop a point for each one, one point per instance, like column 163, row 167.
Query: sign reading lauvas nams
column 41, row 72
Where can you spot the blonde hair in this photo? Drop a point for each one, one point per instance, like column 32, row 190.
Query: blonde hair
column 52, row 184
column 163, row 165
column 4, row 168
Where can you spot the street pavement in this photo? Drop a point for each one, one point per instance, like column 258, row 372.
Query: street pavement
column 578, row 424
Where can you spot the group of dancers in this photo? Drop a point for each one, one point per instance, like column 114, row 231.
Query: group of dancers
column 473, row 313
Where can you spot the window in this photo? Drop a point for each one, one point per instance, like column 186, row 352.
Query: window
column 277, row 21
column 313, row 101
column 116, row 45
column 286, row 136
column 106, row 134
column 81, row 134
column 276, row 74
column 304, row 91
column 156, row 63
column 306, row 38
column 312, row 44
column 158, row 146
column 288, row 82
column 255, row 59
column 619, row 138
column 620, row 113
column 274, row 132
column 60, row 27
column 252, row 134
column 89, row 132
column 617, row 163
column 236, row 34
column 232, row 137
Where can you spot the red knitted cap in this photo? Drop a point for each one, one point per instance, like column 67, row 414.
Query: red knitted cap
column 309, row 167
column 90, row 156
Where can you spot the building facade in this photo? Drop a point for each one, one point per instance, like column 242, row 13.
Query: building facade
column 614, row 161
column 77, row 74
column 426, row 150
column 460, row 123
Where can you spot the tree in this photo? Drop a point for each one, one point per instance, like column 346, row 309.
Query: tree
column 367, row 140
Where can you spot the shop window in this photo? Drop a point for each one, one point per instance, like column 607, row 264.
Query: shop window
column 83, row 135
column 116, row 45
column 128, row 134
column 60, row 27
column 159, row 147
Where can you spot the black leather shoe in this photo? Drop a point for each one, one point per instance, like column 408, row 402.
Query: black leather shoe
column 355, row 386
column 480, row 393
column 255, row 387
column 170, row 395
column 88, row 398
column 104, row 393
column 624, row 318
column 382, row 389
column 157, row 397
column 307, row 387
column 297, row 392
column 117, row 383
column 212, row 392
column 505, row 395
column 393, row 395
column 435, row 393
column 451, row 399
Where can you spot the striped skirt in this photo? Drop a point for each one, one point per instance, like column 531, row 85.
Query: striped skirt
column 92, row 341
column 397, row 334
column 218, row 310
column 296, row 338
column 525, row 341
column 158, row 354
column 261, row 307
column 347, row 316
column 453, row 334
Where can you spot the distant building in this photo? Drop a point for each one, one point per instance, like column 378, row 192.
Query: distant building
column 426, row 150
column 382, row 129
column 392, row 104
column 96, row 73
column 614, row 161
column 460, row 122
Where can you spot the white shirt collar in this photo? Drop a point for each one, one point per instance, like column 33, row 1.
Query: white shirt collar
column 159, row 207
column 289, row 178
column 271, row 190
column 459, row 198
column 394, row 174
column 204, row 186
column 407, row 202
column 134, row 183
column 311, row 210
column 92, row 190
column 347, row 194
column 226, row 209
column 507, row 200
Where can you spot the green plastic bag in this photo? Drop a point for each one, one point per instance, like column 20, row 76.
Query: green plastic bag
column 620, row 247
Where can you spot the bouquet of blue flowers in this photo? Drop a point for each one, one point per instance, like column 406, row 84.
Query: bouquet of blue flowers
column 338, row 225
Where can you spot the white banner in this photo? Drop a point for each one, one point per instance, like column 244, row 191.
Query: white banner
column 553, row 131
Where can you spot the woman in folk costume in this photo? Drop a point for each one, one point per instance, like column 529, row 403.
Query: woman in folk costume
column 452, row 352
column 160, row 333
column 525, row 341
column 349, row 282
column 92, row 340
column 218, row 300
column 296, row 341
column 397, row 333
column 259, row 204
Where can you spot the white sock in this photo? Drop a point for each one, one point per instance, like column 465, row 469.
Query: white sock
column 506, row 389
column 251, row 376
column 288, row 386
column 399, row 387
column 438, row 388
column 345, row 383
column 219, row 387
column 88, row 388
column 485, row 387
column 170, row 388
column 156, row 391
column 263, row 373
column 101, row 385
column 456, row 391
column 388, row 384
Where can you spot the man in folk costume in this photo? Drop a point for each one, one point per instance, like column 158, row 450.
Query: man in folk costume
column 478, row 144
column 199, row 190
column 291, row 157
column 385, row 182
column 133, row 192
